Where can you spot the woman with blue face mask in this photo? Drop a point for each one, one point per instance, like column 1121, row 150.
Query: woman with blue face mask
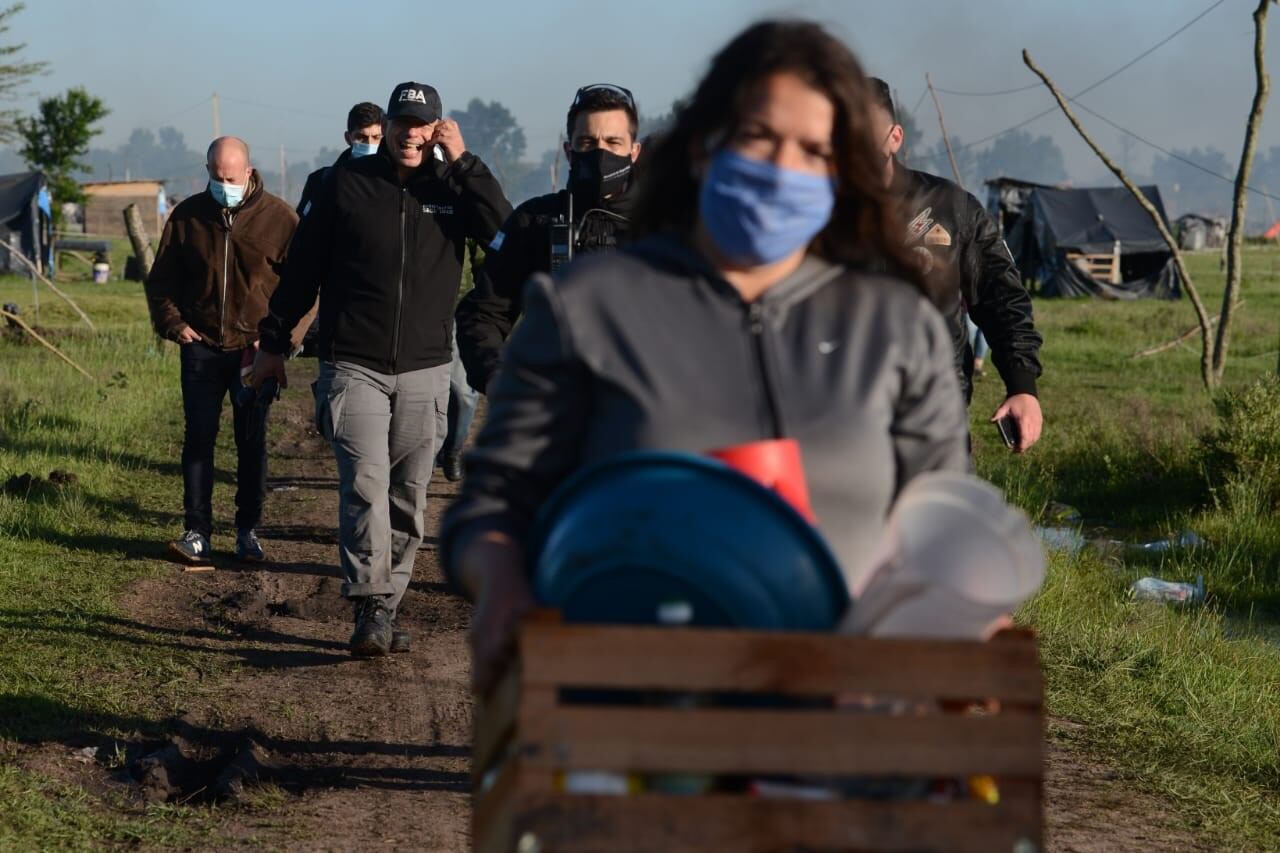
column 747, row 311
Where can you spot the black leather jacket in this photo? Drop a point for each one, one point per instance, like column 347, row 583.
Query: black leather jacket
column 521, row 248
column 959, row 243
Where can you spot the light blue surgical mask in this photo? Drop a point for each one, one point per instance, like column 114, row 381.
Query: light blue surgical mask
column 759, row 213
column 363, row 149
column 227, row 195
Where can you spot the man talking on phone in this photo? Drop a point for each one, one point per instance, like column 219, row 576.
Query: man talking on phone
column 383, row 244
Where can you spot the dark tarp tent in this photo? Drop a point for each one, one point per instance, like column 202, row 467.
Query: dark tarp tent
column 26, row 222
column 1055, row 234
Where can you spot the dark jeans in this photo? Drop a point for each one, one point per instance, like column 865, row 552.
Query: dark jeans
column 207, row 375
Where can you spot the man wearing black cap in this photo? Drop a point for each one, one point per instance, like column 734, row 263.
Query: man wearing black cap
column 592, row 214
column 383, row 244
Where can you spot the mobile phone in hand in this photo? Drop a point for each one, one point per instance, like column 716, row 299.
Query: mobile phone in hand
column 1008, row 429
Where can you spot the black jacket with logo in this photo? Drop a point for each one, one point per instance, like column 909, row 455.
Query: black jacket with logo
column 521, row 248
column 386, row 259
column 958, row 241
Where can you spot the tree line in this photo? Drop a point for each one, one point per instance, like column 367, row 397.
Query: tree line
column 57, row 140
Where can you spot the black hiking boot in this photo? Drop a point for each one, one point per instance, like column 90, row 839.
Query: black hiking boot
column 451, row 464
column 372, row 637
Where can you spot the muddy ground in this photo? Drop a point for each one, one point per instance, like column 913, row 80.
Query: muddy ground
column 306, row 749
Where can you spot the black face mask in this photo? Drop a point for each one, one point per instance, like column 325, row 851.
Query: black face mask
column 598, row 173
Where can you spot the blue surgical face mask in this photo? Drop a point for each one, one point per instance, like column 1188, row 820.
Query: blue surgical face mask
column 227, row 195
column 759, row 213
column 363, row 149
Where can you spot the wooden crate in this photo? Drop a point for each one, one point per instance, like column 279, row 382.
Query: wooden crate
column 530, row 732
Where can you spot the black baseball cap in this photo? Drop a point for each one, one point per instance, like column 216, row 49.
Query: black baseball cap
column 417, row 100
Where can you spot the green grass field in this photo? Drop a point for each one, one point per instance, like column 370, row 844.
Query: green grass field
column 1183, row 701
column 71, row 665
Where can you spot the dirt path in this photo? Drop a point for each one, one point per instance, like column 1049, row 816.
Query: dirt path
column 374, row 754
column 371, row 754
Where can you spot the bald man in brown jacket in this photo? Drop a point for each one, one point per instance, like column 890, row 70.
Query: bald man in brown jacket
column 218, row 264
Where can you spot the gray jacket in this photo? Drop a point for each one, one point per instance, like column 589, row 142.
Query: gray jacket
column 650, row 349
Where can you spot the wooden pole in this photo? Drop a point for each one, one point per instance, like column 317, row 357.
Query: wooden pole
column 905, row 151
column 1235, row 234
column 138, row 237
column 555, row 165
column 36, row 272
column 942, row 125
column 1206, row 327
column 33, row 333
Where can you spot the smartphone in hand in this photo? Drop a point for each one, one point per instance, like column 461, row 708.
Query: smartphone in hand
column 1008, row 429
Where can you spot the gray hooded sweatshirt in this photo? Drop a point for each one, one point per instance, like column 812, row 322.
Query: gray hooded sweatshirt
column 650, row 348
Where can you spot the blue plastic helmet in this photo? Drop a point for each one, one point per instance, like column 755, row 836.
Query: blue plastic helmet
column 662, row 537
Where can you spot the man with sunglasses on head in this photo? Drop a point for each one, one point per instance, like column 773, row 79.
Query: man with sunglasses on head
column 954, row 237
column 383, row 244
column 591, row 214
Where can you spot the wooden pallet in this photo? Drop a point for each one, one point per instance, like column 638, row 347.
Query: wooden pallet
column 530, row 732
column 1102, row 267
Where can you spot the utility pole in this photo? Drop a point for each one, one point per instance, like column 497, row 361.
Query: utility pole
column 555, row 165
column 946, row 140
column 906, row 148
column 217, row 119
column 284, row 175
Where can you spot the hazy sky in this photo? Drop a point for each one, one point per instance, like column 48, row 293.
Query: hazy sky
column 288, row 71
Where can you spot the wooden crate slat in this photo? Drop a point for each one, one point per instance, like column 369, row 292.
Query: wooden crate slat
column 493, row 812
column 723, row 741
column 650, row 822
column 495, row 716
column 789, row 663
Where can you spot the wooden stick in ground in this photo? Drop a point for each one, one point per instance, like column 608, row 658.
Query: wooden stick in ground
column 36, row 272
column 1235, row 234
column 33, row 333
column 138, row 237
column 946, row 140
column 79, row 256
column 1168, row 345
column 1206, row 328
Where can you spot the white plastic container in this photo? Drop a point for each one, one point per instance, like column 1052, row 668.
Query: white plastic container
column 101, row 273
column 955, row 560
column 1155, row 589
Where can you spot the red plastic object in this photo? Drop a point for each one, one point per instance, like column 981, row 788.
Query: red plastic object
column 775, row 464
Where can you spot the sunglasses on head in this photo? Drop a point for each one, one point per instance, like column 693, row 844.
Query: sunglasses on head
column 605, row 87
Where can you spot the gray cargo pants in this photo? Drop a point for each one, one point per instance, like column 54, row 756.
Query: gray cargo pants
column 385, row 430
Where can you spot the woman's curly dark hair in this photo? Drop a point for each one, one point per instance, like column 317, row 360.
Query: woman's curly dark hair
column 865, row 230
